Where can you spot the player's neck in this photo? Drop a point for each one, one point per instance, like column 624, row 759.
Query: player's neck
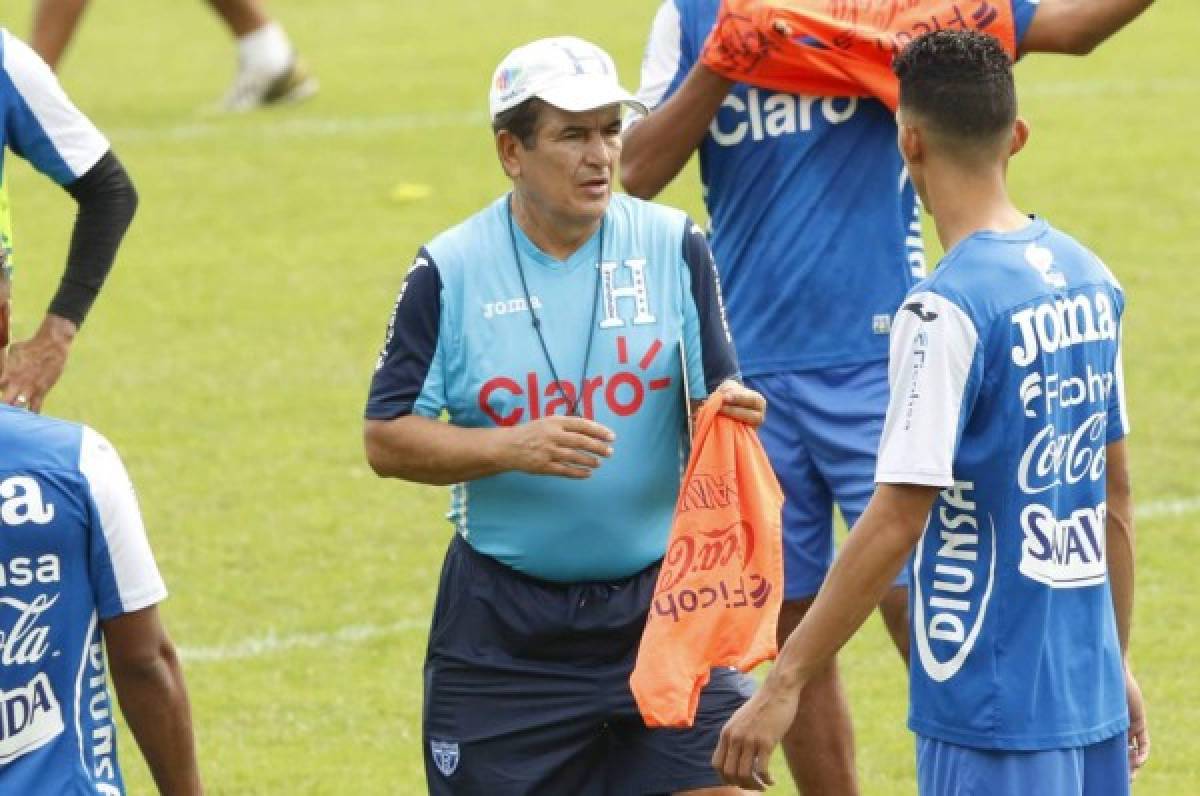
column 557, row 236
column 963, row 203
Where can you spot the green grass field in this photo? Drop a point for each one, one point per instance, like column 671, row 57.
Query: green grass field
column 230, row 353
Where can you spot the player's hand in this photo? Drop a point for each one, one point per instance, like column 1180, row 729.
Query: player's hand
column 35, row 365
column 570, row 447
column 742, row 403
column 1139, row 730
column 743, row 754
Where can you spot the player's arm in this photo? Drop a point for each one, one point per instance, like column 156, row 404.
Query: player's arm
column 150, row 689
column 1120, row 539
column 657, row 147
column 935, row 374
column 403, row 435
column 710, row 363
column 128, row 587
column 861, row 574
column 1076, row 27
column 47, row 129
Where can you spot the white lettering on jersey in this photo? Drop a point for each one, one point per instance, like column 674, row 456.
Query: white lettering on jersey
column 30, row 717
column 511, row 306
column 21, row 502
column 943, row 614
column 1055, row 325
column 777, row 114
column 99, row 705
column 1066, row 553
column 635, row 291
column 1091, row 387
column 1052, row 458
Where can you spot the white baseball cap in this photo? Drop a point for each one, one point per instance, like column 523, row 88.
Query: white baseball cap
column 565, row 71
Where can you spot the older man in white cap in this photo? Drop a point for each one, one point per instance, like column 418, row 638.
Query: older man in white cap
column 563, row 331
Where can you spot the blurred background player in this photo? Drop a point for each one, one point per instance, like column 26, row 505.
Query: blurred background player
column 77, row 578
column 41, row 125
column 526, row 325
column 1003, row 463
column 269, row 72
column 817, row 234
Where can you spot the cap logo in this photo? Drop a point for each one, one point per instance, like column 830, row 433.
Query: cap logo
column 507, row 77
column 586, row 62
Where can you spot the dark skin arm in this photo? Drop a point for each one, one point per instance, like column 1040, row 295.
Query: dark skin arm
column 861, row 574
column 150, row 689
column 1076, row 27
column 1120, row 545
column 656, row 148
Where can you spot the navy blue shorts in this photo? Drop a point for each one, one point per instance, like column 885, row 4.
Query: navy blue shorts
column 946, row 769
column 527, row 689
column 822, row 436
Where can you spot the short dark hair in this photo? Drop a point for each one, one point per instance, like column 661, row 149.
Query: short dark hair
column 521, row 120
column 960, row 81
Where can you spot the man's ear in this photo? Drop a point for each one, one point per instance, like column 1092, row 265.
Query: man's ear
column 5, row 321
column 507, row 146
column 1020, row 136
column 912, row 145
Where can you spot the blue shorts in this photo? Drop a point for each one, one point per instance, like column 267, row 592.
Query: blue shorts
column 527, row 689
column 946, row 769
column 822, row 436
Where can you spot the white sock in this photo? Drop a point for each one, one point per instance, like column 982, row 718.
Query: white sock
column 266, row 50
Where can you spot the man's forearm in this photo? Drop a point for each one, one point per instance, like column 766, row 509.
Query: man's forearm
column 154, row 702
column 862, row 573
column 657, row 147
column 1077, row 27
column 428, row 451
column 107, row 202
column 1119, row 541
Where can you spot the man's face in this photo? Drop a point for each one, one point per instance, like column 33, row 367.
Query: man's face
column 569, row 171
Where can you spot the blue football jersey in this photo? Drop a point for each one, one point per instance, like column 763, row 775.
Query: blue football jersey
column 1006, row 384
column 73, row 552
column 624, row 338
column 815, row 225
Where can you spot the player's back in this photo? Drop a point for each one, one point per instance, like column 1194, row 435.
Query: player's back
column 64, row 565
column 1014, row 635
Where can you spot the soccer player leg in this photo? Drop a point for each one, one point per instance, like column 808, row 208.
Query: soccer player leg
column 495, row 724
column 843, row 416
column 668, row 760
column 946, row 769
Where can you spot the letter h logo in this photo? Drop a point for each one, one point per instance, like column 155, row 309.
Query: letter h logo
column 635, row 290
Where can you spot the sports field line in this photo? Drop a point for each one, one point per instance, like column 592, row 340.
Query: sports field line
column 271, row 643
column 269, row 127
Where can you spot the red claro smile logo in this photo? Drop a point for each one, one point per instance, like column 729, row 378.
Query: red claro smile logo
column 623, row 393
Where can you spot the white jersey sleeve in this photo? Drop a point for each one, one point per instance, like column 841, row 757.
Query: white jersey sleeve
column 663, row 60
column 43, row 125
column 934, row 370
column 124, row 575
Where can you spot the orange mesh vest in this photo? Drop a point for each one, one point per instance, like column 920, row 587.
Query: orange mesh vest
column 838, row 48
column 721, row 584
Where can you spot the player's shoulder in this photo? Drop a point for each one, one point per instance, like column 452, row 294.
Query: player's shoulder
column 37, row 442
column 467, row 243
column 646, row 214
column 1085, row 265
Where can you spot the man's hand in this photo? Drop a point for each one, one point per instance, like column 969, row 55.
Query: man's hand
column 36, row 365
column 744, row 752
column 1139, row 730
column 742, row 403
column 570, row 447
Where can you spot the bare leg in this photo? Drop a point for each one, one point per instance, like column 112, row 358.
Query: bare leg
column 820, row 744
column 54, row 24
column 241, row 16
